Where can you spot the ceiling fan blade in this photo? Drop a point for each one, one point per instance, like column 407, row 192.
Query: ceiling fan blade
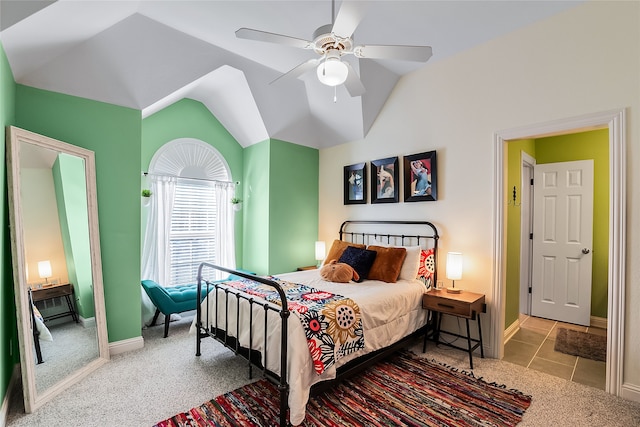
column 299, row 70
column 348, row 18
column 263, row 36
column 353, row 84
column 405, row 53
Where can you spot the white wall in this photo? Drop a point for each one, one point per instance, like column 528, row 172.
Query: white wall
column 583, row 61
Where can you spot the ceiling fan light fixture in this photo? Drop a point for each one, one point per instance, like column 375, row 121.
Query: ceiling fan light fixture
column 332, row 71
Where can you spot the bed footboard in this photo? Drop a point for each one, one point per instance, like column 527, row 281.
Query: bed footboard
column 422, row 234
column 222, row 334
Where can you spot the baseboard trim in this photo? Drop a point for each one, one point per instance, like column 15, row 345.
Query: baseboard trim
column 630, row 392
column 89, row 322
column 11, row 389
column 598, row 322
column 511, row 330
column 126, row 345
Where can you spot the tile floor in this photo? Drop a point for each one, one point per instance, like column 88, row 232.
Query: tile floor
column 532, row 347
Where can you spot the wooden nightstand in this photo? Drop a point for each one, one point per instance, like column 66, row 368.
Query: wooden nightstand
column 309, row 267
column 53, row 291
column 467, row 305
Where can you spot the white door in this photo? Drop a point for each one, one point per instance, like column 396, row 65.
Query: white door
column 562, row 239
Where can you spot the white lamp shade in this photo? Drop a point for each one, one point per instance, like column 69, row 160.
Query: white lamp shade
column 44, row 269
column 332, row 71
column 454, row 265
column 320, row 251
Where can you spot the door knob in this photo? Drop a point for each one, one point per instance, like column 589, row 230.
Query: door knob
column 585, row 251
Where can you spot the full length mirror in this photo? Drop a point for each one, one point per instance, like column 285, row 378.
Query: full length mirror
column 56, row 263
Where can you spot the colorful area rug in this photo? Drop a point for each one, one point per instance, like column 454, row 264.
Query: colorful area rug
column 581, row 344
column 403, row 391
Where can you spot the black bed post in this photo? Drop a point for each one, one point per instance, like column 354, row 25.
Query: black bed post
column 284, row 384
column 284, row 344
column 199, row 310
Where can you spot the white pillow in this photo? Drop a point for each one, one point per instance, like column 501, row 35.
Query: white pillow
column 411, row 264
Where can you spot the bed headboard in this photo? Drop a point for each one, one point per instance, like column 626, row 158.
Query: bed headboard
column 394, row 233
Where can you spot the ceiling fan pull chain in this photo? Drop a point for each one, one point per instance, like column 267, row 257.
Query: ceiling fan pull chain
column 335, row 94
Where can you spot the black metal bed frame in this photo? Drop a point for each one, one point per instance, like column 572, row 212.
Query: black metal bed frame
column 254, row 357
column 34, row 330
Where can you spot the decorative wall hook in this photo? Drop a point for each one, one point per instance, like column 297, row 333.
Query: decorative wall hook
column 512, row 202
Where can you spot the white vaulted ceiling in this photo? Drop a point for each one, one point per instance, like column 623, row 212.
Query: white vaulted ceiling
column 148, row 54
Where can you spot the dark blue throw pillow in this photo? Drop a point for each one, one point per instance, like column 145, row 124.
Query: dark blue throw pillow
column 360, row 259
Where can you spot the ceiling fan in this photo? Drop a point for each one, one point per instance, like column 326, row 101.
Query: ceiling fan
column 331, row 42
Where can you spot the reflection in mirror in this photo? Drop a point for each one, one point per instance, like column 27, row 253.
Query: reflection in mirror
column 56, row 256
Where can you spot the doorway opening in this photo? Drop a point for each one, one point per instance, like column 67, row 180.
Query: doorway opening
column 565, row 253
column 614, row 121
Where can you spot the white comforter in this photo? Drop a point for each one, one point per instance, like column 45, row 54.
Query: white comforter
column 389, row 311
column 44, row 333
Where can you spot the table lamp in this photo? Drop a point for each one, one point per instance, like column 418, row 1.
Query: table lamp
column 454, row 270
column 320, row 252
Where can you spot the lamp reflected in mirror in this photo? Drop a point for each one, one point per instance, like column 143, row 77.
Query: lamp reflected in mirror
column 44, row 270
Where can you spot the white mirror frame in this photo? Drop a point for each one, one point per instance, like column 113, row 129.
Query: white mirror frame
column 15, row 137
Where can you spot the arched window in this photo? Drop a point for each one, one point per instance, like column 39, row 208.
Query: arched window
column 190, row 217
column 190, row 158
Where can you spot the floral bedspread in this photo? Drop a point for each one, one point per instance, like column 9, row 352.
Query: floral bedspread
column 331, row 322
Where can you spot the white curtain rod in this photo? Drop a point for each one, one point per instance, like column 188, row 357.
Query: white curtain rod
column 193, row 179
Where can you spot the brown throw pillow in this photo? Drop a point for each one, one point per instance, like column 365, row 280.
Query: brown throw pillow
column 339, row 272
column 387, row 264
column 338, row 247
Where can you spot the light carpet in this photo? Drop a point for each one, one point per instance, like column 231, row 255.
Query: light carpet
column 73, row 347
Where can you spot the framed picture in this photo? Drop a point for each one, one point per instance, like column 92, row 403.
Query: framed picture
column 355, row 184
column 420, row 177
column 385, row 180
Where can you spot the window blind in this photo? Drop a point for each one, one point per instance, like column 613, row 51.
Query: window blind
column 192, row 237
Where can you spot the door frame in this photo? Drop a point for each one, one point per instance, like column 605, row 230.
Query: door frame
column 526, row 228
column 615, row 121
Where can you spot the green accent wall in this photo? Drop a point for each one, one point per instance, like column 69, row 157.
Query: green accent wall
column 114, row 134
column 293, row 206
column 191, row 119
column 9, row 356
column 281, row 218
column 256, row 209
column 578, row 146
column 71, row 200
